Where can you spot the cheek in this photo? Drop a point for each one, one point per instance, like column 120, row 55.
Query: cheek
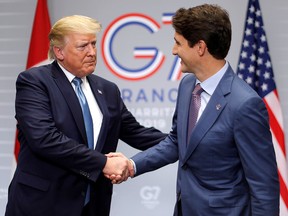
column 188, row 56
column 71, row 57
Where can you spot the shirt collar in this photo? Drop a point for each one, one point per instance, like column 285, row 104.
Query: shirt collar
column 210, row 84
column 70, row 76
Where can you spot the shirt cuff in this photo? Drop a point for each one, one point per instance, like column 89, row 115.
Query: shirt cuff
column 134, row 166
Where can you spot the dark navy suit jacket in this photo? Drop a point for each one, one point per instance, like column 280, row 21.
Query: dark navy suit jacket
column 228, row 167
column 55, row 164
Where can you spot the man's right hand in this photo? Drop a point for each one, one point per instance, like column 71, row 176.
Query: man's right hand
column 118, row 168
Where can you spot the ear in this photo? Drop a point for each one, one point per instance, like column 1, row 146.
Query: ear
column 201, row 47
column 58, row 53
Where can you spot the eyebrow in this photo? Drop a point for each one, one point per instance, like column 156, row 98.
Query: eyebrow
column 86, row 42
column 176, row 41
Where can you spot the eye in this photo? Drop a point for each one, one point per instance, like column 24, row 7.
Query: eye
column 81, row 47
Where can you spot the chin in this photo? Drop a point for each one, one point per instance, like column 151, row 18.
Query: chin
column 91, row 68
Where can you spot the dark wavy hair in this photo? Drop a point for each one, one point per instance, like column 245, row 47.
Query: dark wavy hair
column 206, row 22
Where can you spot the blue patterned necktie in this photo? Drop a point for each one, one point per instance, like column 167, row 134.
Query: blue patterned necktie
column 87, row 120
column 194, row 109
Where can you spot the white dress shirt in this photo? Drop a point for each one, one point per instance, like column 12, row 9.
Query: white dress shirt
column 209, row 86
column 97, row 116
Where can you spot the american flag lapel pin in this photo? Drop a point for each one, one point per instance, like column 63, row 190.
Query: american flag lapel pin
column 218, row 107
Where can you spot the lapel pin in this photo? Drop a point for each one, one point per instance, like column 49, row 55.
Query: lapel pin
column 99, row 91
column 218, row 107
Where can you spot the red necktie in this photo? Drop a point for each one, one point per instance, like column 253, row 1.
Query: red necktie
column 194, row 109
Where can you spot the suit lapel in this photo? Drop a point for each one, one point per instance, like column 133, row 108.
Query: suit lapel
column 183, row 116
column 70, row 97
column 212, row 111
column 206, row 121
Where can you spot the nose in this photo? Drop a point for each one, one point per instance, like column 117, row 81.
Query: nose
column 174, row 50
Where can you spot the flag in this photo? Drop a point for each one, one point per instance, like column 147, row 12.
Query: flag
column 255, row 68
column 39, row 46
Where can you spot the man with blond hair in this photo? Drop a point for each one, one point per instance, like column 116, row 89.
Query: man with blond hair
column 68, row 119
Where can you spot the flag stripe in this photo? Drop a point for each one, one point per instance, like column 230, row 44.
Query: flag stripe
column 273, row 101
column 38, row 49
column 255, row 68
column 283, row 192
column 39, row 42
column 281, row 159
column 16, row 148
column 283, row 211
column 275, row 127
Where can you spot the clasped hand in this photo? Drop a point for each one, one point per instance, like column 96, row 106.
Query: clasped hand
column 118, row 168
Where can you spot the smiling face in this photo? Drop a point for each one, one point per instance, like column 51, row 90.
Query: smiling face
column 189, row 56
column 79, row 54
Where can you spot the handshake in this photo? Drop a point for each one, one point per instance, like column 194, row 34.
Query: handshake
column 118, row 168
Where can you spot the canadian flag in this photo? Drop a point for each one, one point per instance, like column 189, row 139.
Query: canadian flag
column 38, row 49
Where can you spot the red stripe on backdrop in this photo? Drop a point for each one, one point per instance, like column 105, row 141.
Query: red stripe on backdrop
column 39, row 42
column 39, row 46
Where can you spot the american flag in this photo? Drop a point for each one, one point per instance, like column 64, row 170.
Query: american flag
column 255, row 68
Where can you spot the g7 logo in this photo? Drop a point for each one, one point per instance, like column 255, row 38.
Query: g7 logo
column 156, row 56
column 150, row 193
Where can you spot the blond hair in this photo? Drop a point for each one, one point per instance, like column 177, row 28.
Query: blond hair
column 71, row 24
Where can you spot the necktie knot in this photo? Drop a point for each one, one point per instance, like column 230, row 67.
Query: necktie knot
column 197, row 90
column 77, row 81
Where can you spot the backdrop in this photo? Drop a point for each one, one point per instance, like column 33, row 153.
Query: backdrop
column 140, row 39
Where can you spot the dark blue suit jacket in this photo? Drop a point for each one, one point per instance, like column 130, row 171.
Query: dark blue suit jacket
column 55, row 164
column 228, row 167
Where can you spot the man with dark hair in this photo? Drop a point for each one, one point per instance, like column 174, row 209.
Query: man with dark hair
column 222, row 139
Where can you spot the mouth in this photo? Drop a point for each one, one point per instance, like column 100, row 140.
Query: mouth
column 91, row 63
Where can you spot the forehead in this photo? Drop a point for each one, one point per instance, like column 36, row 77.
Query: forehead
column 78, row 37
column 179, row 38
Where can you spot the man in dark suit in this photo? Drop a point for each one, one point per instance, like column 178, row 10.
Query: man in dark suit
column 227, row 164
column 57, row 173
